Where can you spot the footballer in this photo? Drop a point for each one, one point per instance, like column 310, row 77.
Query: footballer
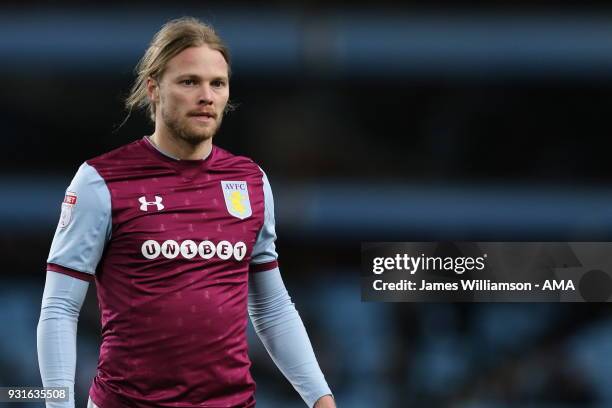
column 178, row 235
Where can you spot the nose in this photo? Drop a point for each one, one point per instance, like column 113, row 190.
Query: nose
column 205, row 95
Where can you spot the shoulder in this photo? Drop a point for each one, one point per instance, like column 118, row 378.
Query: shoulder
column 120, row 163
column 87, row 190
column 86, row 177
column 116, row 156
column 225, row 159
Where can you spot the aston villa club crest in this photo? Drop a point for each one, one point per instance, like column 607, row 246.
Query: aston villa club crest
column 236, row 194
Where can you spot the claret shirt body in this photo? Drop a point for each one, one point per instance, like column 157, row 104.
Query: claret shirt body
column 170, row 244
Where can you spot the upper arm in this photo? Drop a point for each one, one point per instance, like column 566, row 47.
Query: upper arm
column 84, row 226
column 264, row 255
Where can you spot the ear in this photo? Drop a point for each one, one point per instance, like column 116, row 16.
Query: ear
column 153, row 90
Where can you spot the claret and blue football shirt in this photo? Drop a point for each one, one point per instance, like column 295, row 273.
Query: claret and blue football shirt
column 170, row 244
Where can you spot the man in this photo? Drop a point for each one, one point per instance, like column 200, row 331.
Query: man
column 174, row 230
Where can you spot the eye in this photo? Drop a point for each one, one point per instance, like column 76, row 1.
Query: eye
column 218, row 83
column 188, row 82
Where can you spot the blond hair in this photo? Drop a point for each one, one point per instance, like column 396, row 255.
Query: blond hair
column 174, row 37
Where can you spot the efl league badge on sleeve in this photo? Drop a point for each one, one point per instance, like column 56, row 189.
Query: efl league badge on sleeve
column 67, row 206
column 236, row 194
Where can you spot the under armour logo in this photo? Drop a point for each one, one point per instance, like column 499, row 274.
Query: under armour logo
column 144, row 204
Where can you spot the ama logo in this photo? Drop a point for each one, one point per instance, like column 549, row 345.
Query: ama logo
column 236, row 194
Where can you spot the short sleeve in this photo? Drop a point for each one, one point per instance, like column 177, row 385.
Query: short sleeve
column 264, row 255
column 84, row 227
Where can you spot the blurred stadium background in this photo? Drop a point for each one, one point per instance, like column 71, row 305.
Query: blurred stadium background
column 374, row 121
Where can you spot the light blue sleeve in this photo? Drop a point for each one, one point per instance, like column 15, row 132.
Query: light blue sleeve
column 265, row 250
column 280, row 328
column 85, row 226
column 56, row 332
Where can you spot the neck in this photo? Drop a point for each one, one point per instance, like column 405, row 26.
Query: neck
column 179, row 148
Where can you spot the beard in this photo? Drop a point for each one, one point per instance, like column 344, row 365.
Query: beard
column 184, row 129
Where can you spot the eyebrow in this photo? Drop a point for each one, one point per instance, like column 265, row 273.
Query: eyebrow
column 196, row 76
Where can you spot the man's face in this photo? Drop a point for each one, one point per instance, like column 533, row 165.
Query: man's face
column 192, row 94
